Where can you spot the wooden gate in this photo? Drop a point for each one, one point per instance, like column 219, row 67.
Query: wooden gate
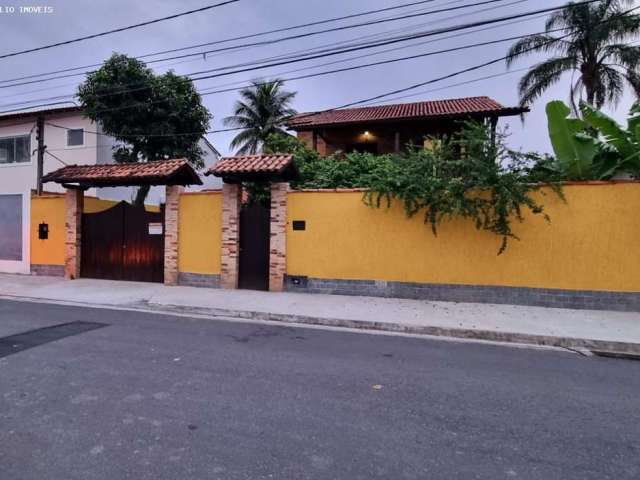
column 254, row 247
column 123, row 243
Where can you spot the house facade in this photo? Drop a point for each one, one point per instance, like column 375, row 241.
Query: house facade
column 392, row 128
column 70, row 139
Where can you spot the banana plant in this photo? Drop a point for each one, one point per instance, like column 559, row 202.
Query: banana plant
column 592, row 148
column 626, row 143
column 576, row 151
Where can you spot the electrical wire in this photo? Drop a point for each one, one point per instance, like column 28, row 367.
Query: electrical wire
column 352, row 49
column 271, row 42
column 117, row 30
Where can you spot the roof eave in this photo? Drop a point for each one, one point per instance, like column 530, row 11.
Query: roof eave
column 504, row 112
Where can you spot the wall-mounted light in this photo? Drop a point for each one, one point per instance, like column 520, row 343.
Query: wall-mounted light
column 366, row 133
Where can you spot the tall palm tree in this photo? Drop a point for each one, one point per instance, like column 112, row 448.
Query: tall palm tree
column 591, row 43
column 263, row 109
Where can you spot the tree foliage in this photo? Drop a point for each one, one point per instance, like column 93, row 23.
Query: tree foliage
column 262, row 110
column 590, row 41
column 153, row 117
column 594, row 147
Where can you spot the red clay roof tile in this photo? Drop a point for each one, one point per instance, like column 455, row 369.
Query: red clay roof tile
column 161, row 172
column 249, row 164
column 404, row 111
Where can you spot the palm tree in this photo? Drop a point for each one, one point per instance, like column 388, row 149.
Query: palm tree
column 592, row 44
column 263, row 109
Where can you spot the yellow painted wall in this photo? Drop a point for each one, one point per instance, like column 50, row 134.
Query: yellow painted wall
column 50, row 209
column 592, row 243
column 200, row 232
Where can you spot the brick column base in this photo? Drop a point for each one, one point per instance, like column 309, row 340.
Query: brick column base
column 278, row 241
column 230, row 251
column 73, row 204
column 171, row 225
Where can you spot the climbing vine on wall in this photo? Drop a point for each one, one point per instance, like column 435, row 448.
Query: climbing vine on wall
column 467, row 176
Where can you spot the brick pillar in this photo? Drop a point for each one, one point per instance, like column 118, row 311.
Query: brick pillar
column 73, row 204
column 230, row 251
column 171, row 219
column 278, row 243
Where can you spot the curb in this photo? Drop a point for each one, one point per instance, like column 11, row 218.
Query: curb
column 489, row 335
column 586, row 346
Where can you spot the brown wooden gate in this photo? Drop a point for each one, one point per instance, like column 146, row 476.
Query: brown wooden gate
column 254, row 247
column 123, row 243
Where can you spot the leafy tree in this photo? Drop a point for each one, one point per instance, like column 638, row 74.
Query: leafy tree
column 263, row 109
column 592, row 44
column 153, row 117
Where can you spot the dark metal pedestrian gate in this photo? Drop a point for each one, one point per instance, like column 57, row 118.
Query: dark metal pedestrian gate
column 255, row 231
column 123, row 243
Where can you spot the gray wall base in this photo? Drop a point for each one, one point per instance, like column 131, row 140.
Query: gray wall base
column 47, row 270
column 543, row 297
column 198, row 280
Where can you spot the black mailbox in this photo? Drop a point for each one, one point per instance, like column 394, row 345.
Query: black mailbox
column 43, row 231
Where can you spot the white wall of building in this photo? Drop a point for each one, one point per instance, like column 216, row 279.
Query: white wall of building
column 21, row 177
column 96, row 149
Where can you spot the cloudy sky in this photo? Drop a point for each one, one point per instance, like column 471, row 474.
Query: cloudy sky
column 74, row 18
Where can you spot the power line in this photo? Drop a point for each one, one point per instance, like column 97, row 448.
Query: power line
column 243, row 83
column 116, row 30
column 57, row 158
column 242, row 37
column 317, row 74
column 287, row 29
column 363, row 101
column 334, row 45
column 392, row 93
column 424, row 34
column 71, row 96
column 405, row 89
column 272, row 41
column 362, row 47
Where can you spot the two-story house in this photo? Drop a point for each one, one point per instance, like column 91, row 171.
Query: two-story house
column 70, row 139
column 390, row 128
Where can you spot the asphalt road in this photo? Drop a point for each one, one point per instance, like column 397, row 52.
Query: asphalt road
column 161, row 397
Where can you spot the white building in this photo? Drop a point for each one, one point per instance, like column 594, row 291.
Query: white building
column 70, row 139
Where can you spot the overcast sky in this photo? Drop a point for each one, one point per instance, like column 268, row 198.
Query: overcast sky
column 71, row 19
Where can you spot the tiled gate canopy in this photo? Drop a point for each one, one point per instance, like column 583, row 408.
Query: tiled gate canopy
column 161, row 172
column 274, row 167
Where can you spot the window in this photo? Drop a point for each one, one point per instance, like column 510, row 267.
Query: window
column 75, row 137
column 15, row 149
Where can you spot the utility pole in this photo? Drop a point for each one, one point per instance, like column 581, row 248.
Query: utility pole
column 41, row 148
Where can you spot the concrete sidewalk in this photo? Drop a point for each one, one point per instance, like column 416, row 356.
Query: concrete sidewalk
column 579, row 329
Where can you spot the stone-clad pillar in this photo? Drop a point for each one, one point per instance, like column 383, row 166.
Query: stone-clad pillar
column 73, row 204
column 278, row 241
column 171, row 224
column 230, row 251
